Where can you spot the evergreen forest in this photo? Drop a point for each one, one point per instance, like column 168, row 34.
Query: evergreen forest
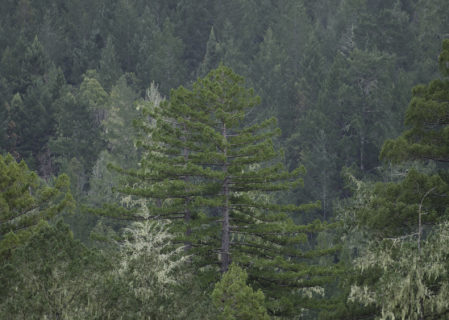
column 233, row 160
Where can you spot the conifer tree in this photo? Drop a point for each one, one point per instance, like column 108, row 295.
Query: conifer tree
column 79, row 117
column 124, row 24
column 193, row 22
column 356, row 95
column 53, row 277
column 212, row 55
column 119, row 137
column 427, row 121
column 25, row 200
column 413, row 283
column 235, row 299
column 167, row 68
column 145, row 61
column 171, row 177
column 268, row 74
column 36, row 84
column 109, row 68
column 211, row 175
column 405, row 222
column 256, row 231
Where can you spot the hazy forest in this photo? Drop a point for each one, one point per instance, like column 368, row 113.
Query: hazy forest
column 239, row 159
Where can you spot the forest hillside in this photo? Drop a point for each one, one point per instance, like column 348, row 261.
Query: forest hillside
column 235, row 159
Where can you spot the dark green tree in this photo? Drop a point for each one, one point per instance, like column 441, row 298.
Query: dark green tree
column 402, row 221
column 312, row 146
column 385, row 25
column 234, row 299
column 25, row 200
column 160, row 55
column 145, row 61
column 193, row 21
column 32, row 108
column 109, row 68
column 212, row 56
column 204, row 167
column 79, row 117
column 51, row 276
column 357, row 97
column 269, row 73
column 172, row 177
column 168, row 70
column 256, row 231
column 432, row 26
column 426, row 121
column 124, row 23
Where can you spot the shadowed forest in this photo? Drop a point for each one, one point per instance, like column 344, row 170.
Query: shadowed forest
column 241, row 159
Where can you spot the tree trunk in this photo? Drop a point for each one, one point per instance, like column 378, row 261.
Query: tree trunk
column 362, row 147
column 187, row 213
column 225, row 258
column 187, row 217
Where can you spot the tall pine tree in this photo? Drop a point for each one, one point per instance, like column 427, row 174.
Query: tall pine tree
column 203, row 166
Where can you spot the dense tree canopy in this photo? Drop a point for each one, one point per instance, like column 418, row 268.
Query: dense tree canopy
column 25, row 200
column 130, row 101
column 426, row 118
column 400, row 269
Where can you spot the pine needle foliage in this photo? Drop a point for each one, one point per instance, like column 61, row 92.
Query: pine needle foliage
column 428, row 120
column 25, row 200
column 402, row 272
column 256, row 231
column 215, row 178
column 234, row 299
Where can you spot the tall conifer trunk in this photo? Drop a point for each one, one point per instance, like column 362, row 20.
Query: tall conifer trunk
column 362, row 147
column 187, row 214
column 225, row 258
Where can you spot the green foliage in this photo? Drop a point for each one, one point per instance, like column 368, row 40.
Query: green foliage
column 337, row 74
column 109, row 68
column 119, row 135
column 143, row 280
column 284, row 49
column 161, row 54
column 357, row 95
column 79, row 125
column 426, row 119
column 25, row 200
column 431, row 29
column 50, row 276
column 193, row 22
column 123, row 22
column 54, row 276
column 392, row 208
column 212, row 55
column 400, row 268
column 269, row 75
column 413, row 282
column 315, row 150
column 120, row 111
column 209, row 174
column 32, row 108
column 234, row 299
